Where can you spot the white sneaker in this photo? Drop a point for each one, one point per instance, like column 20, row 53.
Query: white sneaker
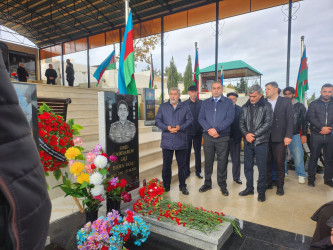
column 301, row 179
column 285, row 175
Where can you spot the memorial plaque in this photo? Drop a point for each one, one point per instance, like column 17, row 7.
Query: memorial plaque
column 149, row 106
column 119, row 134
column 27, row 98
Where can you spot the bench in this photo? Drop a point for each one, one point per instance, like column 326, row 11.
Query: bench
column 58, row 106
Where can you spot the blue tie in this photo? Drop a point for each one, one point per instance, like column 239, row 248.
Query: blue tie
column 215, row 102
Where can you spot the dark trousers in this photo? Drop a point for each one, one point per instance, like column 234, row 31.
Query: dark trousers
column 51, row 81
column 260, row 152
column 196, row 141
column 167, row 161
column 317, row 142
column 218, row 146
column 277, row 154
column 234, row 150
column 70, row 82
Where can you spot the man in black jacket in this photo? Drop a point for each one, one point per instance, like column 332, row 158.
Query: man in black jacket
column 194, row 132
column 281, row 135
column 22, row 74
column 255, row 124
column 51, row 75
column 235, row 139
column 320, row 117
column 25, row 206
column 300, row 125
column 69, row 73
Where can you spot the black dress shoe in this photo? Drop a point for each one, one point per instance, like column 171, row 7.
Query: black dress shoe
column 225, row 191
column 238, row 182
column 269, row 186
column 280, row 191
column 329, row 183
column 166, row 189
column 261, row 197
column 246, row 192
column 184, row 191
column 199, row 176
column 311, row 184
column 204, row 188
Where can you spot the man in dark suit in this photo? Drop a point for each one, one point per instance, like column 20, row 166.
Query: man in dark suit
column 281, row 134
column 235, row 139
column 194, row 132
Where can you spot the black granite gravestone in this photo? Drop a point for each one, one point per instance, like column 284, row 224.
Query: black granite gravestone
column 149, row 106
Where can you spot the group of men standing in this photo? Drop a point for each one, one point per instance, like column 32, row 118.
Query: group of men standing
column 268, row 125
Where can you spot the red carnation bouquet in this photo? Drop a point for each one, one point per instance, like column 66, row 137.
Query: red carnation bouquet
column 55, row 137
column 115, row 189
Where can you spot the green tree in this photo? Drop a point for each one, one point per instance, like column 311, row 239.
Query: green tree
column 230, row 86
column 144, row 46
column 242, row 86
column 312, row 98
column 188, row 74
column 172, row 75
column 180, row 76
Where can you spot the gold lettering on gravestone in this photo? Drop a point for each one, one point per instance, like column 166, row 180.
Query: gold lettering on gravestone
column 123, row 166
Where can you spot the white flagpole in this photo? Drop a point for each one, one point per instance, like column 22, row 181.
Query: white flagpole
column 114, row 71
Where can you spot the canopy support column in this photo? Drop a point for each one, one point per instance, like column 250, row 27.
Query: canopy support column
column 88, row 62
column 62, row 65
column 162, row 57
column 289, row 41
column 216, row 39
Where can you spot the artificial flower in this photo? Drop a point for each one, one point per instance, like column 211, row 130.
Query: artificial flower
column 77, row 141
column 123, row 183
column 72, row 152
column 83, row 177
column 90, row 157
column 96, row 178
column 88, row 168
column 100, row 161
column 127, row 197
column 113, row 158
column 76, row 168
column 97, row 190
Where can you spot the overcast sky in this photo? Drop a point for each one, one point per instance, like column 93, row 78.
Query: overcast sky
column 260, row 39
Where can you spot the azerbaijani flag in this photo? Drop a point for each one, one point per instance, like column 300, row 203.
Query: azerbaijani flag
column 222, row 75
column 196, row 72
column 107, row 64
column 126, row 81
column 302, row 78
column 152, row 76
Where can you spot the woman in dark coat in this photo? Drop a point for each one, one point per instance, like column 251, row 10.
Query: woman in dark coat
column 25, row 205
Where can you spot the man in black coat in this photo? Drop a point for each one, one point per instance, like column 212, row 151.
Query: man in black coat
column 235, row 139
column 22, row 74
column 281, row 135
column 69, row 73
column 194, row 132
column 51, row 75
column 320, row 117
column 25, row 206
column 255, row 124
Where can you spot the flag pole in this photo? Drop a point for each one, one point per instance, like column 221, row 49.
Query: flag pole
column 302, row 50
column 114, row 71
column 126, row 10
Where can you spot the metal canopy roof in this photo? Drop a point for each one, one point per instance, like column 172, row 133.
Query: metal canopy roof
column 231, row 70
column 50, row 22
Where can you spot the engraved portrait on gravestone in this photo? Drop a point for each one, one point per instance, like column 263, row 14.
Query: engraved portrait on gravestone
column 122, row 131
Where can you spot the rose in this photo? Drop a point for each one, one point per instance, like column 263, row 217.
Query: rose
column 123, row 183
column 142, row 191
column 127, row 197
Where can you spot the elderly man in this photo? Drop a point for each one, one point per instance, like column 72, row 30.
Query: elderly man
column 216, row 116
column 235, row 139
column 22, row 73
column 173, row 118
column 194, row 132
column 320, row 116
column 281, row 135
column 255, row 124
column 51, row 75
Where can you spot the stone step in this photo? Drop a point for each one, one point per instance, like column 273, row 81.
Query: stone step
column 55, row 88
column 89, row 137
column 88, row 129
column 150, row 155
column 54, row 94
column 144, row 129
column 143, row 146
column 82, row 113
column 74, row 106
column 86, row 121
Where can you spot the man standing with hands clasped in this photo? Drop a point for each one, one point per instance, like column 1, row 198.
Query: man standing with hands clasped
column 216, row 115
column 173, row 118
column 320, row 116
column 281, row 135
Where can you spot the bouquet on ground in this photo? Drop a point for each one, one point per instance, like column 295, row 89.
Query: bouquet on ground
column 115, row 189
column 55, row 137
column 152, row 203
column 86, row 175
column 112, row 231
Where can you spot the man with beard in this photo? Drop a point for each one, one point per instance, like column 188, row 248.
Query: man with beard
column 300, row 125
column 320, row 117
column 173, row 118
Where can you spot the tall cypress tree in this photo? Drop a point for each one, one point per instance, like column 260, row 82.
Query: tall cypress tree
column 188, row 75
column 172, row 75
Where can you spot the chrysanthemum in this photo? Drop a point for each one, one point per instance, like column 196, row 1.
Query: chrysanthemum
column 83, row 178
column 76, row 168
column 97, row 190
column 96, row 179
column 100, row 161
column 71, row 153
